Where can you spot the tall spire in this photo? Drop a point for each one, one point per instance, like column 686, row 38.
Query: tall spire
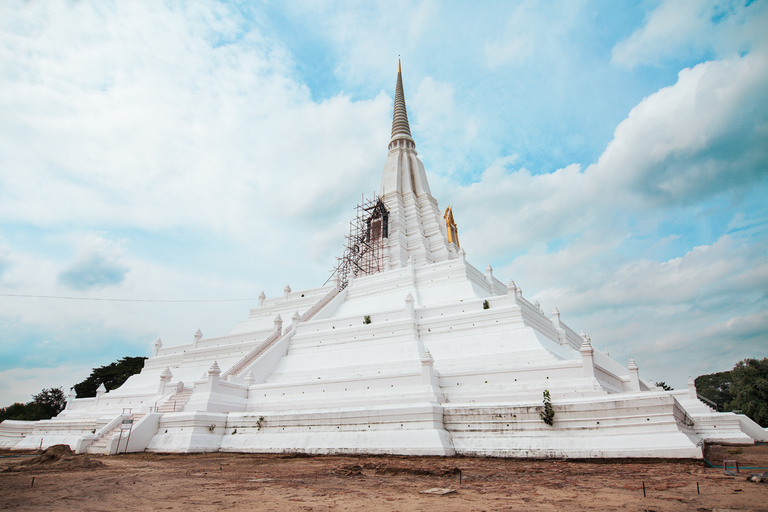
column 416, row 232
column 400, row 127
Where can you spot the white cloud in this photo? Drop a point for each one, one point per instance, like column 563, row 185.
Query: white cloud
column 734, row 331
column 97, row 265
column 5, row 258
column 689, row 28
column 509, row 212
column 137, row 117
column 699, row 280
column 15, row 384
column 702, row 136
column 444, row 131
column 518, row 41
column 162, row 133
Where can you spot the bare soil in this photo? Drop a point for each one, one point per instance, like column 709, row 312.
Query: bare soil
column 217, row 481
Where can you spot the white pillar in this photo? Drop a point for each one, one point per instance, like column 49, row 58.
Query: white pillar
column 100, row 392
column 409, row 307
column 158, row 346
column 165, row 379
column 634, row 376
column 512, row 292
column 587, row 356
column 692, row 394
column 71, row 397
column 428, row 376
column 562, row 337
column 262, row 297
column 213, row 377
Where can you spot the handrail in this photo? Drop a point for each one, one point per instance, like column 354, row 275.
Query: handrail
column 106, row 428
column 277, row 335
column 308, row 314
column 253, row 354
column 708, row 401
column 160, row 399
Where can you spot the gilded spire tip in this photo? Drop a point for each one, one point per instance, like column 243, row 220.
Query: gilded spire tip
column 398, row 66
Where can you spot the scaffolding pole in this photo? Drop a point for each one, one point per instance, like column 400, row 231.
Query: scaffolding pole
column 365, row 243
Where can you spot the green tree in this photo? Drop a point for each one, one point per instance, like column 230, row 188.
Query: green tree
column 663, row 385
column 112, row 376
column 17, row 411
column 749, row 387
column 716, row 387
column 51, row 401
column 44, row 405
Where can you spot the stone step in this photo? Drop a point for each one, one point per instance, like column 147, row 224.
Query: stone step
column 99, row 446
column 175, row 402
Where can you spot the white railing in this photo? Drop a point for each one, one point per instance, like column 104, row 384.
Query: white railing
column 154, row 408
column 708, row 402
column 277, row 335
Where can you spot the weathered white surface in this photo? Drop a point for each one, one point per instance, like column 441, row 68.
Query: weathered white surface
column 13, row 431
column 752, row 429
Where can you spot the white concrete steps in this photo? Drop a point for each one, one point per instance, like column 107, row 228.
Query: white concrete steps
column 100, row 445
column 175, row 402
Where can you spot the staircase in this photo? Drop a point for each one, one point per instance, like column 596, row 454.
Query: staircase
column 175, row 402
column 257, row 352
column 99, row 446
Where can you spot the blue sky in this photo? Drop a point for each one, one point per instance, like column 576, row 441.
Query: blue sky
column 610, row 157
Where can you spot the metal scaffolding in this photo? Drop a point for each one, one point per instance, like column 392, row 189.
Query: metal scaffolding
column 364, row 250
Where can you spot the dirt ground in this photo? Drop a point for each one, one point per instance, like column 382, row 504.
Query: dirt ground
column 237, row 482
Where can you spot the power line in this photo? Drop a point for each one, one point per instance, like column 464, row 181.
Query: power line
column 109, row 299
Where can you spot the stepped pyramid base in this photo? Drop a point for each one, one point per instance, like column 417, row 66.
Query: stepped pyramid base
column 449, row 364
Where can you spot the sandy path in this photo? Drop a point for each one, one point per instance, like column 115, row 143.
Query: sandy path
column 375, row 483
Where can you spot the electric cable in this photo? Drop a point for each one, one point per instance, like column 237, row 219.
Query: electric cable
column 112, row 299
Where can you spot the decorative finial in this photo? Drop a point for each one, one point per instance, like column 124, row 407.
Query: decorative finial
column 166, row 375
column 398, row 66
